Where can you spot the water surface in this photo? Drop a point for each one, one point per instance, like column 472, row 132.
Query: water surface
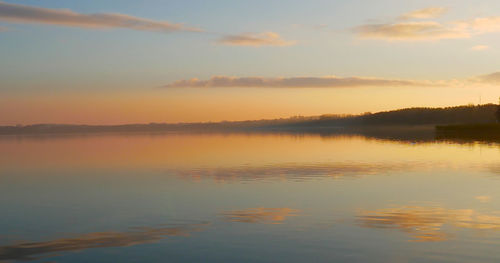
column 247, row 198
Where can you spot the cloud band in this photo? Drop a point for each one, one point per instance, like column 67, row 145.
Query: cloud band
column 294, row 82
column 16, row 13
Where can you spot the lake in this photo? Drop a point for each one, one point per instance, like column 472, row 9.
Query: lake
column 247, row 198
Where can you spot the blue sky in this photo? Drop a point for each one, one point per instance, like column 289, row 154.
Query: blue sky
column 319, row 38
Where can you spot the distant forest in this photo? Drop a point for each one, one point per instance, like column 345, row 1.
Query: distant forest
column 404, row 117
column 411, row 116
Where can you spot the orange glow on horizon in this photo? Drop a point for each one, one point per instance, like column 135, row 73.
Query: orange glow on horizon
column 231, row 104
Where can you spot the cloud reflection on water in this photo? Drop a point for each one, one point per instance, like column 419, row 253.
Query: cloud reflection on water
column 494, row 169
column 426, row 224
column 261, row 215
column 144, row 235
column 291, row 171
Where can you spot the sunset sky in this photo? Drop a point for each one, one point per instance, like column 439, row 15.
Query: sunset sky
column 99, row 62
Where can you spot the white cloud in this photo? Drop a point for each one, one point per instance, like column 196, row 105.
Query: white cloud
column 430, row 12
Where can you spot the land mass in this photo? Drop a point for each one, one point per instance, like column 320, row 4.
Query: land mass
column 412, row 122
column 476, row 132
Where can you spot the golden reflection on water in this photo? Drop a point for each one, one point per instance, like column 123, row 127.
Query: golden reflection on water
column 141, row 173
column 234, row 153
column 261, row 215
column 425, row 224
column 291, row 171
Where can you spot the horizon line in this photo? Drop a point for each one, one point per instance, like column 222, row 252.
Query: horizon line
column 340, row 115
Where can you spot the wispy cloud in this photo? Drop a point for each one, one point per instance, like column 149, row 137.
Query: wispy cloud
column 480, row 47
column 429, row 12
column 15, row 13
column 493, row 78
column 255, row 40
column 483, row 25
column 428, row 30
column 294, row 82
column 425, row 30
column 24, row 14
column 3, row 29
column 329, row 82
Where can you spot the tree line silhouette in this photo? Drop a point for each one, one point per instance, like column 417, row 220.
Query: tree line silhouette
column 489, row 113
column 498, row 111
column 410, row 116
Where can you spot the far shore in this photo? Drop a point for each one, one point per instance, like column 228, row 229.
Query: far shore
column 469, row 122
column 481, row 131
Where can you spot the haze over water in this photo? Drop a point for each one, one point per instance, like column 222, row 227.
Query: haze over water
column 247, row 198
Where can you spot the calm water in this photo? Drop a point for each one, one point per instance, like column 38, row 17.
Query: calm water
column 247, row 198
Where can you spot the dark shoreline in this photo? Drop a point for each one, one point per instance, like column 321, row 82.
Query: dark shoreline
column 395, row 133
column 412, row 124
column 478, row 132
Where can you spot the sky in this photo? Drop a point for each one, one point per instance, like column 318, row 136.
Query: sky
column 112, row 62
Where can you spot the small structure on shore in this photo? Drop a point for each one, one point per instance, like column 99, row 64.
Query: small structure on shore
column 498, row 111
